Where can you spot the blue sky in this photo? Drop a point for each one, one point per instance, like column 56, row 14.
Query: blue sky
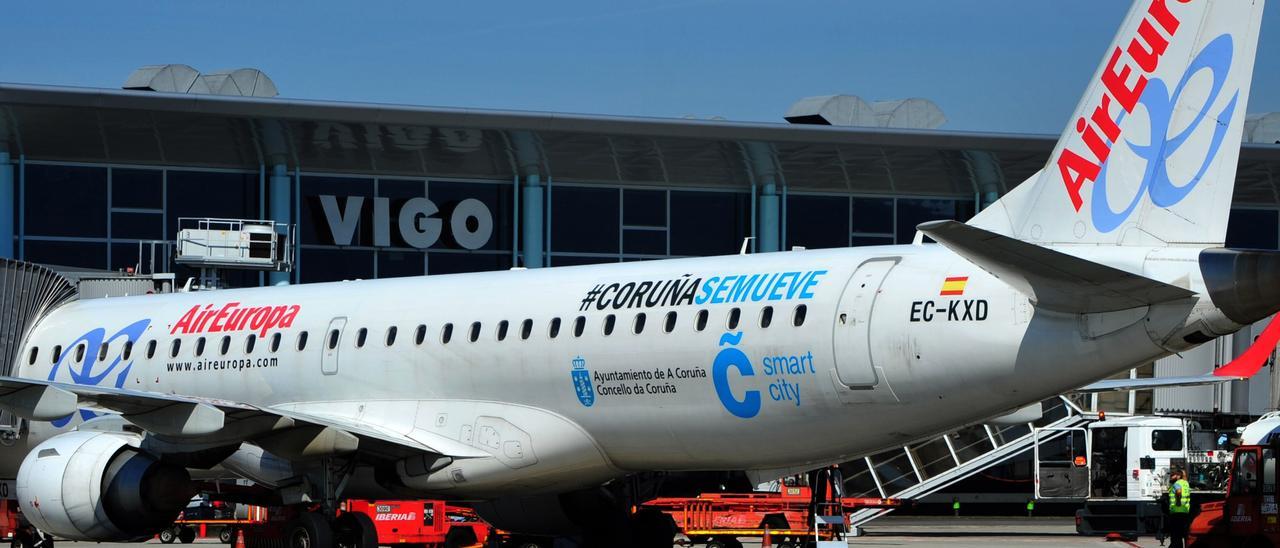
column 992, row 65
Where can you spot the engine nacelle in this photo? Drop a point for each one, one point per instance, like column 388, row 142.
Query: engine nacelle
column 98, row 486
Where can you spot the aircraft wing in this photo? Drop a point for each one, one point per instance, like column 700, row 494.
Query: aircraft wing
column 1114, row 385
column 214, row 421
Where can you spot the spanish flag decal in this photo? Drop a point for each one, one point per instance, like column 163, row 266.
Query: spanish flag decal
column 954, row 285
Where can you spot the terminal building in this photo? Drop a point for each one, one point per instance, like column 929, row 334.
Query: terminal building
column 94, row 177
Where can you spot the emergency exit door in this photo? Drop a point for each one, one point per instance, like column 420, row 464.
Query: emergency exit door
column 852, row 343
column 332, row 344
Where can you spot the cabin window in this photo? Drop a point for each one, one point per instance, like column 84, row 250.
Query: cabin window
column 249, row 343
column 361, row 335
column 102, row 352
column 1166, row 440
column 475, row 331
column 637, row 326
column 700, row 322
column 734, row 316
column 302, row 341
column 609, row 322
column 766, row 316
column 128, row 350
column 797, row 319
column 57, row 354
column 502, row 330
column 31, row 359
column 151, row 349
column 174, row 347
column 391, row 335
column 526, row 329
column 446, row 333
column 275, row 342
column 333, row 339
column 80, row 353
column 226, row 345
column 553, row 329
column 200, row 346
column 669, row 323
column 579, row 325
column 420, row 336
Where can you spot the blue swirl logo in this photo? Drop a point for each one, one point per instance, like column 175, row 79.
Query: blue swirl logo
column 733, row 358
column 90, row 373
column 1216, row 57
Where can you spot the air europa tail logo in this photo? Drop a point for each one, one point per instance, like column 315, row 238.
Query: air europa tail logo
column 1127, row 83
column 233, row 317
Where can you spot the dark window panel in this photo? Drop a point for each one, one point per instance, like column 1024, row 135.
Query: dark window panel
column 645, row 242
column 137, row 226
column 327, row 265
column 497, row 197
column 397, row 192
column 912, row 212
column 1252, row 229
column 872, row 215
column 312, row 226
column 66, row 201
column 211, row 194
column 140, row 188
column 80, row 254
column 817, row 222
column 709, row 223
column 584, row 220
column 870, row 240
column 644, row 208
column 395, row 264
column 458, row 263
column 576, row 260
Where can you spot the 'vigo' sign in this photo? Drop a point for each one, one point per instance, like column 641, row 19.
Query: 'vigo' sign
column 470, row 222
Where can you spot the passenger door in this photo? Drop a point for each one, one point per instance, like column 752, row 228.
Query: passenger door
column 852, row 336
column 332, row 344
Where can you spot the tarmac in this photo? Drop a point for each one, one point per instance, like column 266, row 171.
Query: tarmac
column 962, row 532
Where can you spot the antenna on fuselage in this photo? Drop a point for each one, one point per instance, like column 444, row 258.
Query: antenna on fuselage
column 745, row 241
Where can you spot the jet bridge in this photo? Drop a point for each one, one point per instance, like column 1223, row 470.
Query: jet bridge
column 918, row 470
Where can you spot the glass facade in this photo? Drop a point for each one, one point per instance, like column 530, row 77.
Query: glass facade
column 353, row 227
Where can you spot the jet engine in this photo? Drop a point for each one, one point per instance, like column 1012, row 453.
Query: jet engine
column 98, row 486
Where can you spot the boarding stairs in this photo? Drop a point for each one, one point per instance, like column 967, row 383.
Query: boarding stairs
column 918, row 470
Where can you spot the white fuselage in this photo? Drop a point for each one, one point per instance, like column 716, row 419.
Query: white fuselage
column 576, row 409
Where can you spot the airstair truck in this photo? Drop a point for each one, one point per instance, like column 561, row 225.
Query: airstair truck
column 1119, row 468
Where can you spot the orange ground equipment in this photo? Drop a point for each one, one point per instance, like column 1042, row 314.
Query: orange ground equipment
column 1248, row 515
column 425, row 523
column 786, row 516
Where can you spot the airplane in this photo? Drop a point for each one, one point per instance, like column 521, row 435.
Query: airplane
column 553, row 400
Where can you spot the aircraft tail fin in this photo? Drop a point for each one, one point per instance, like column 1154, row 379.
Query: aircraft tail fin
column 1051, row 279
column 1150, row 154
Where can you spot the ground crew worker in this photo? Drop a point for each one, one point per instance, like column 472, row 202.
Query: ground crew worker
column 1179, row 509
column 955, row 506
column 1031, row 506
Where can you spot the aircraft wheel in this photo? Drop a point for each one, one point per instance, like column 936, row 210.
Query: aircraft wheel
column 168, row 535
column 653, row 529
column 309, row 530
column 355, row 530
column 186, row 535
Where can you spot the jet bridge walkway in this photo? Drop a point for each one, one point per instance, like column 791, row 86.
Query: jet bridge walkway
column 917, row 470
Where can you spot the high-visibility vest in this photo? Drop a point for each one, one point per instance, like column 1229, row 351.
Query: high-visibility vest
column 1185, row 507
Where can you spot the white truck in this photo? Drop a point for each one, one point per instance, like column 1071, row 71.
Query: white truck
column 1119, row 468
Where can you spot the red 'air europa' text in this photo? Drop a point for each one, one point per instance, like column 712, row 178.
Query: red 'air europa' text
column 233, row 317
column 1122, row 91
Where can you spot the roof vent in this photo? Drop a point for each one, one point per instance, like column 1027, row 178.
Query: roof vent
column 175, row 78
column 851, row 110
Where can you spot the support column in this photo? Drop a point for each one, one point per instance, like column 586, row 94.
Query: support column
column 988, row 178
column 531, row 223
column 280, row 187
column 1240, row 342
column 7, row 196
column 767, row 217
